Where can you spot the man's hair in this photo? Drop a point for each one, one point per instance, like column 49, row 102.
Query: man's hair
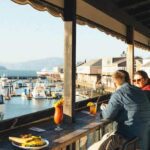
column 142, row 73
column 122, row 75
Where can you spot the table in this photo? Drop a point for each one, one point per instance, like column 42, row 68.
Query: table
column 57, row 139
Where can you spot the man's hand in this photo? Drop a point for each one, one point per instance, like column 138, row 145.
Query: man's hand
column 103, row 106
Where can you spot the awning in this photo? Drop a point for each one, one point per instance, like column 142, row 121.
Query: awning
column 89, row 15
column 42, row 5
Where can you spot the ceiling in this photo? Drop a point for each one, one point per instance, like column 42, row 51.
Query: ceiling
column 134, row 13
column 139, row 10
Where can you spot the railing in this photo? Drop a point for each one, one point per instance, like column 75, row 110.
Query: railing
column 81, row 134
column 47, row 113
column 83, row 138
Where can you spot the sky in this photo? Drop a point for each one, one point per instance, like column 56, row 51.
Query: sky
column 28, row 34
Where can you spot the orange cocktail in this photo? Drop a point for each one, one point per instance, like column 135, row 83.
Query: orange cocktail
column 58, row 116
column 93, row 109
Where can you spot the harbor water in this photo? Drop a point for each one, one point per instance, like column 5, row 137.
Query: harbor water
column 18, row 105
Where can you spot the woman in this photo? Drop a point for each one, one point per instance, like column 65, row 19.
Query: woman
column 142, row 80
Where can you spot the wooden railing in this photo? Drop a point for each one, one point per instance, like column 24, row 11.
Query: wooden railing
column 77, row 136
column 81, row 139
column 16, row 122
column 84, row 137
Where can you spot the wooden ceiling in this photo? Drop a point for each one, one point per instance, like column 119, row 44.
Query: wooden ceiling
column 134, row 13
column 138, row 9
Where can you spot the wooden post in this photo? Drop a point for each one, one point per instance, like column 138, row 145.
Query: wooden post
column 130, row 52
column 69, row 59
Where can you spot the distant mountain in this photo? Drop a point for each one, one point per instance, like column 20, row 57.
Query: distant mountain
column 36, row 65
column 3, row 68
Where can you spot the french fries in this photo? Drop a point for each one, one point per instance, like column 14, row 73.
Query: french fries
column 28, row 140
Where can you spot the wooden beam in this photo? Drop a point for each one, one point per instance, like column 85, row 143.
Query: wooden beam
column 146, row 21
column 148, row 25
column 141, row 13
column 70, row 59
column 130, row 35
column 130, row 52
column 143, row 17
column 139, row 10
column 132, row 4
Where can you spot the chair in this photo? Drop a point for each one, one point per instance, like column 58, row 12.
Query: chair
column 131, row 144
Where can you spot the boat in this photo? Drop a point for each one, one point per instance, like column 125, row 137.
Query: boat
column 39, row 91
column 43, row 73
column 29, row 96
column 56, row 93
column 4, row 81
column 7, row 96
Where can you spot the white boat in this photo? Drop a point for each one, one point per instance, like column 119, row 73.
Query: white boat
column 43, row 72
column 4, row 81
column 39, row 91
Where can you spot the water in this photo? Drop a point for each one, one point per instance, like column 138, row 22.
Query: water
column 18, row 106
column 18, row 73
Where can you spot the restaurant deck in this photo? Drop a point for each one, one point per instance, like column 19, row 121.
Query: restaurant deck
column 78, row 135
column 81, row 134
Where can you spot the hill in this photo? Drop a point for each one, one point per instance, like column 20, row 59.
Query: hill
column 2, row 68
column 36, row 65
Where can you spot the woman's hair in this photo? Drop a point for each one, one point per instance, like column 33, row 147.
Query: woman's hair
column 122, row 75
column 142, row 73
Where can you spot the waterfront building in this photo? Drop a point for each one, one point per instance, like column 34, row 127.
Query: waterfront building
column 58, row 69
column 111, row 64
column 59, row 72
column 146, row 65
column 89, row 74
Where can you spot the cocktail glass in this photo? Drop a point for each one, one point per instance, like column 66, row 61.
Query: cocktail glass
column 58, row 117
column 93, row 109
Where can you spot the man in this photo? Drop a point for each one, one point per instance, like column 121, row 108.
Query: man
column 130, row 108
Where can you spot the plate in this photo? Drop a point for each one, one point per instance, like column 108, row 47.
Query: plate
column 32, row 148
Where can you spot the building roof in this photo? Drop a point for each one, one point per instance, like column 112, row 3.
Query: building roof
column 122, row 64
column 95, row 62
column 116, row 59
column 146, row 65
column 80, row 63
column 121, row 61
